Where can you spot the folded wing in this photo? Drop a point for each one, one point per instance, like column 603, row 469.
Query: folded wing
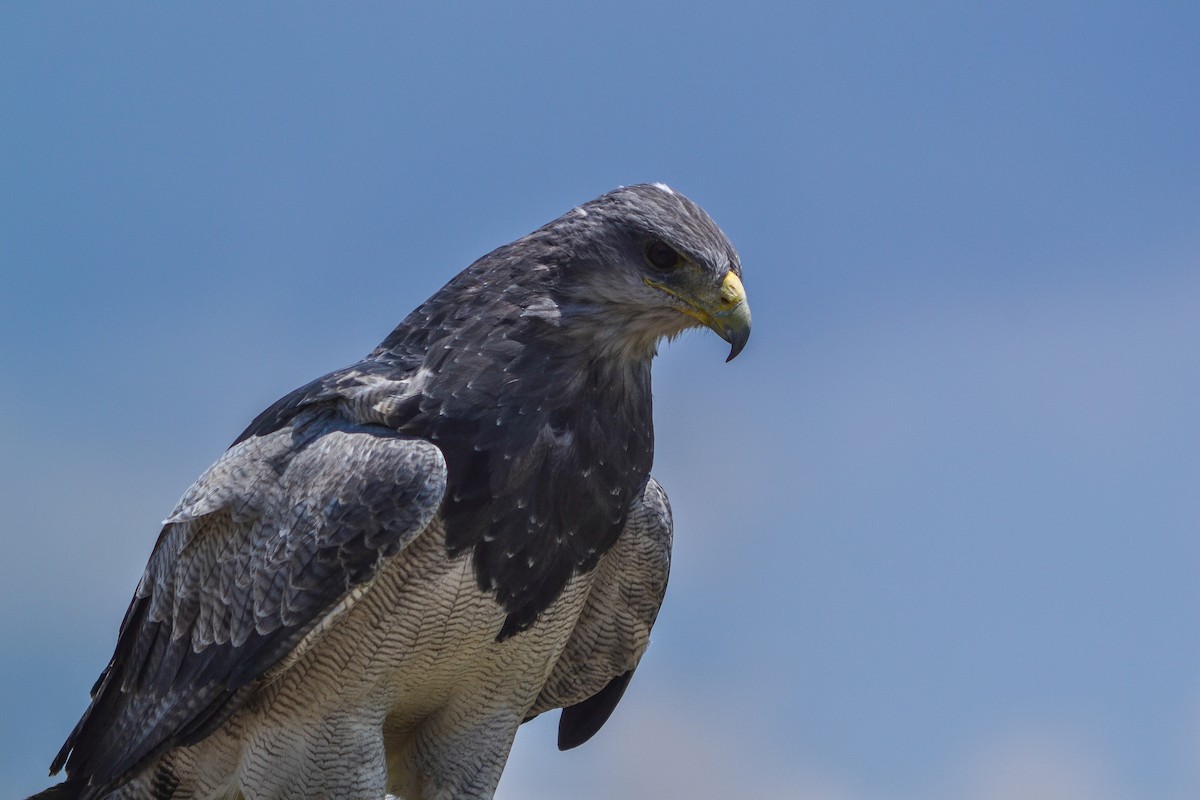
column 271, row 541
column 614, row 628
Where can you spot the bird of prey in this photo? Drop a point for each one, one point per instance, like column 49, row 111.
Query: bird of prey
column 397, row 564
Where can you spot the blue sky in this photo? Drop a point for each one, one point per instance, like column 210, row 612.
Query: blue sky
column 938, row 528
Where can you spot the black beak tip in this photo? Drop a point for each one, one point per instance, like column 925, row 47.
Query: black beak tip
column 737, row 342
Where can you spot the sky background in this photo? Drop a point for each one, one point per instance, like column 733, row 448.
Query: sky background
column 937, row 528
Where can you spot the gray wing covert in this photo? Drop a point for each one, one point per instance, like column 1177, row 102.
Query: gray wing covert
column 613, row 630
column 259, row 550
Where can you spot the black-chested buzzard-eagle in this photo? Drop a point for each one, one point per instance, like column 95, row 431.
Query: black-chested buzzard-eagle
column 396, row 565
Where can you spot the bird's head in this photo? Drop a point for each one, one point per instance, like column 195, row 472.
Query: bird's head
column 643, row 263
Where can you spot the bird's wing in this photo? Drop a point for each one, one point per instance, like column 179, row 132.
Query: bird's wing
column 284, row 531
column 614, row 628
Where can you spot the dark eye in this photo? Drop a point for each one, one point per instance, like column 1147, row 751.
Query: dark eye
column 662, row 256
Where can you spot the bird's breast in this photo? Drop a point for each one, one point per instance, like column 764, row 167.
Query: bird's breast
column 425, row 633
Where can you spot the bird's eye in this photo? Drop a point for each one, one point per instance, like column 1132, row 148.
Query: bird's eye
column 662, row 256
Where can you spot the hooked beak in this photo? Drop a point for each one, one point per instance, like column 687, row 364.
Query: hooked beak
column 723, row 309
column 731, row 319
